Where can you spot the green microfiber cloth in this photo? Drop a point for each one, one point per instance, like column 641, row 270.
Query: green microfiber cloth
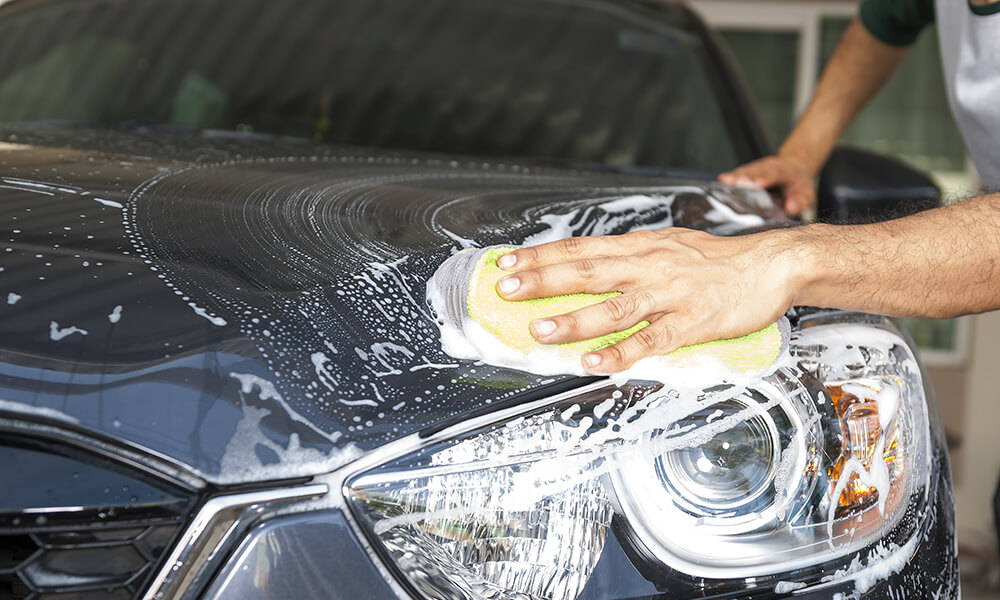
column 509, row 321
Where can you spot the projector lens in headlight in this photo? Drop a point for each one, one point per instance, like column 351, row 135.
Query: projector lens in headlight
column 729, row 471
column 726, row 480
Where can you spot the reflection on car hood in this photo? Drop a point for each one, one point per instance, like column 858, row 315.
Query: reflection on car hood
column 263, row 317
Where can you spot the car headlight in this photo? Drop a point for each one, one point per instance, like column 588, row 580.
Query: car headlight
column 724, row 481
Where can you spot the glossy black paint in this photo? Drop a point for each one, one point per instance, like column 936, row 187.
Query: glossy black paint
column 857, row 186
column 238, row 241
column 90, row 483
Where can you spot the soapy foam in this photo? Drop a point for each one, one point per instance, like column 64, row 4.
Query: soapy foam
column 293, row 458
column 883, row 561
column 57, row 333
column 116, row 314
column 571, row 450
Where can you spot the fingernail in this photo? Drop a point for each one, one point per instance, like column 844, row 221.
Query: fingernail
column 507, row 261
column 509, row 285
column 543, row 327
column 592, row 360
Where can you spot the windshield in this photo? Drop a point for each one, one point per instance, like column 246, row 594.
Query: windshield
column 582, row 81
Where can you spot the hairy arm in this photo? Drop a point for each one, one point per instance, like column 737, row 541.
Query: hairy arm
column 940, row 263
column 694, row 287
column 858, row 68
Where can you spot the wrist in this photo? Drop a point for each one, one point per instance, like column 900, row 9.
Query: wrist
column 796, row 263
column 806, row 161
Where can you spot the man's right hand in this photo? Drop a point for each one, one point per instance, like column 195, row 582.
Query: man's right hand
column 785, row 172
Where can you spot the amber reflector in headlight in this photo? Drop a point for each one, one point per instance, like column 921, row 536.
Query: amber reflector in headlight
column 715, row 479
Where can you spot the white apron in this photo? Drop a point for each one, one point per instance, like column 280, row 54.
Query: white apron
column 970, row 51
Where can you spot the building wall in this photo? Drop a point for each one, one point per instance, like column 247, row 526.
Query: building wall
column 980, row 451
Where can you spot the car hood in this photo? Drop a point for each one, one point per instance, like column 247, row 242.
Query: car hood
column 253, row 308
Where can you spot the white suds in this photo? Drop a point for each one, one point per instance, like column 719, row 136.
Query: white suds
column 463, row 242
column 57, row 333
column 267, row 391
column 111, row 203
column 201, row 312
column 880, row 563
column 784, row 587
column 602, row 409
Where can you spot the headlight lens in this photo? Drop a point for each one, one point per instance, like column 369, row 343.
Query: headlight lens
column 730, row 480
column 731, row 471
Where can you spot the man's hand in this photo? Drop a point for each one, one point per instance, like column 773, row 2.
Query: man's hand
column 790, row 174
column 694, row 287
column 858, row 68
column 691, row 286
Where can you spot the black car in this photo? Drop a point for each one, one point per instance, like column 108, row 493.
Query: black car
column 219, row 376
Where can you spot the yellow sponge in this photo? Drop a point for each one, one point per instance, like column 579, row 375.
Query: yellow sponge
column 509, row 322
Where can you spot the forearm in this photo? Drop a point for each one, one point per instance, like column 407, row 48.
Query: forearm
column 940, row 263
column 860, row 65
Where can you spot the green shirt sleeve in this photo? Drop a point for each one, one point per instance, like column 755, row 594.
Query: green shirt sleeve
column 896, row 22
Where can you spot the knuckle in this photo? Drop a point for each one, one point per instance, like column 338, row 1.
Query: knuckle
column 585, row 268
column 567, row 323
column 527, row 255
column 645, row 301
column 668, row 336
column 571, row 246
column 667, row 233
column 629, row 306
column 617, row 354
column 648, row 338
column 618, row 308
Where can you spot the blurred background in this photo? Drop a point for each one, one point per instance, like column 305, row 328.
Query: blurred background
column 782, row 46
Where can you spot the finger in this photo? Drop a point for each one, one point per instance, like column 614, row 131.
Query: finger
column 807, row 199
column 798, row 196
column 588, row 275
column 733, row 177
column 657, row 339
column 759, row 175
column 792, row 207
column 565, row 250
column 612, row 315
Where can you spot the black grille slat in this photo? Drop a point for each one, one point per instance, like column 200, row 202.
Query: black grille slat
column 79, row 539
column 14, row 551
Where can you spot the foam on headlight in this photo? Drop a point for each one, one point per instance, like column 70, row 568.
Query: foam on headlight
column 727, row 480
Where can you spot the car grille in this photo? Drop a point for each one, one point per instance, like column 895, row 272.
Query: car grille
column 79, row 526
column 98, row 563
